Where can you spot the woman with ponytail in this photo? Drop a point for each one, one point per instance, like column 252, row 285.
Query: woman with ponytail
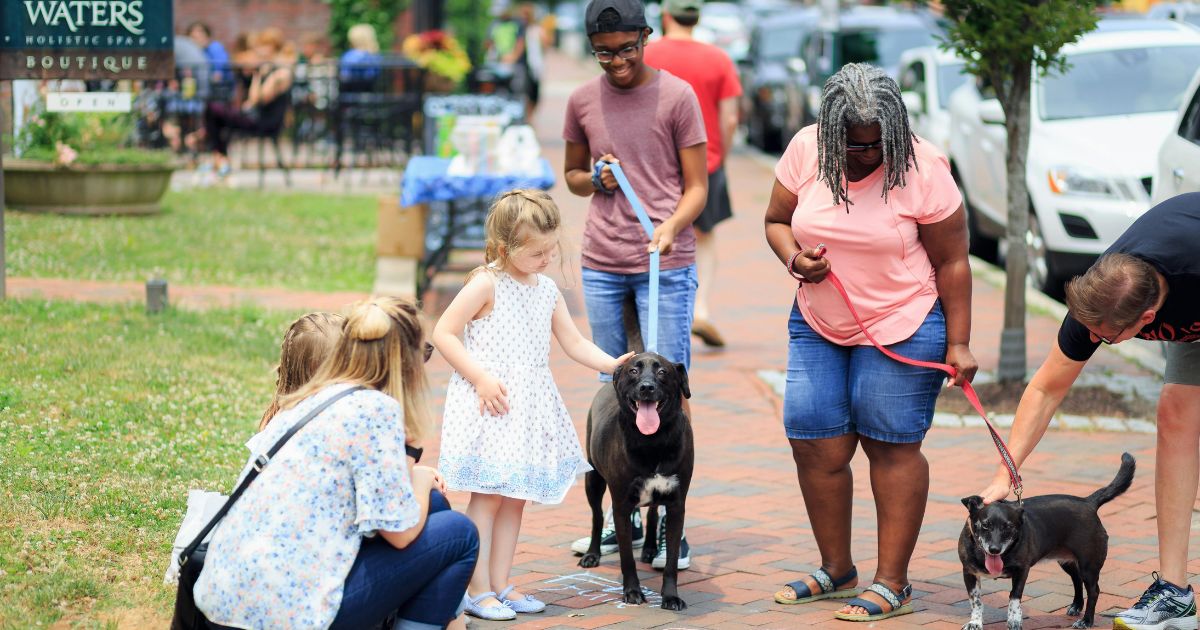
column 339, row 531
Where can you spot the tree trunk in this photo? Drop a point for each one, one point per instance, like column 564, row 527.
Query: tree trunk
column 1015, row 101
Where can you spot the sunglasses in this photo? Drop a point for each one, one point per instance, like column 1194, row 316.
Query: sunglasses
column 626, row 53
column 853, row 147
column 428, row 351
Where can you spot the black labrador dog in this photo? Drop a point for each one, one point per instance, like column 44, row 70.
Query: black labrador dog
column 1006, row 538
column 639, row 443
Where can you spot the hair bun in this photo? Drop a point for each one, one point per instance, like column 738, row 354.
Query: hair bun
column 368, row 322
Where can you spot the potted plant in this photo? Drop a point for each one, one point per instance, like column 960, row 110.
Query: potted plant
column 441, row 55
column 82, row 163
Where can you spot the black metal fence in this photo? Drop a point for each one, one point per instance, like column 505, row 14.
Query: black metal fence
column 339, row 116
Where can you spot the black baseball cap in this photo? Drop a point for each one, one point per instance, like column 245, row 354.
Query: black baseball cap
column 632, row 13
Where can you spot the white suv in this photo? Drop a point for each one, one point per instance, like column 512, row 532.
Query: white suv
column 1094, row 134
column 1179, row 157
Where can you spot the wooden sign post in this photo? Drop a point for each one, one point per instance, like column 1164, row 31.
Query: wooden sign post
column 83, row 39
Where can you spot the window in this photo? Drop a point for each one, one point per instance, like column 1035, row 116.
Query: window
column 913, row 79
column 1189, row 127
column 1119, row 82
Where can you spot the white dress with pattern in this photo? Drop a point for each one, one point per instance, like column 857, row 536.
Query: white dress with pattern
column 532, row 452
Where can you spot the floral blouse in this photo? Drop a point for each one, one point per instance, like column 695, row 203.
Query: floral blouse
column 281, row 555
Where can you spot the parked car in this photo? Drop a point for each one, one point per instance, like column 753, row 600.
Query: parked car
column 722, row 24
column 1186, row 12
column 772, row 106
column 928, row 75
column 1094, row 132
column 861, row 34
column 1179, row 157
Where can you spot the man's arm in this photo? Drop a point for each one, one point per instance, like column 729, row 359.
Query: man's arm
column 727, row 115
column 578, row 169
column 694, row 163
column 1042, row 397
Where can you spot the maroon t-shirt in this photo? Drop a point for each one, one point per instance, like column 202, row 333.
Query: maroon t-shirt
column 643, row 127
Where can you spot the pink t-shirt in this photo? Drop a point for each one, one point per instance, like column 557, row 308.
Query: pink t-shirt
column 874, row 248
column 644, row 128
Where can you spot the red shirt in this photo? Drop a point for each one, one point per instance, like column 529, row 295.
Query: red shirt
column 711, row 74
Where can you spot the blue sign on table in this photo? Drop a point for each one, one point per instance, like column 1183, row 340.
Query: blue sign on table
column 86, row 39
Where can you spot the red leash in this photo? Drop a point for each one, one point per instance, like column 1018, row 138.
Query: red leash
column 968, row 389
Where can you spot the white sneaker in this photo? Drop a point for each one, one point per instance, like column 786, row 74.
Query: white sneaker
column 608, row 537
column 685, row 551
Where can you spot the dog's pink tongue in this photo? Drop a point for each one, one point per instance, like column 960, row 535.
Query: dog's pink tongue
column 647, row 417
column 993, row 563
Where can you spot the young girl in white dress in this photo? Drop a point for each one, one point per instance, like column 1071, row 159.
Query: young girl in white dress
column 506, row 435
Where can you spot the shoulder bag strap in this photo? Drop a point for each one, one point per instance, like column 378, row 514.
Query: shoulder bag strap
column 259, row 463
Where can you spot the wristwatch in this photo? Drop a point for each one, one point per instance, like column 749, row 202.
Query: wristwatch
column 596, row 182
column 413, row 452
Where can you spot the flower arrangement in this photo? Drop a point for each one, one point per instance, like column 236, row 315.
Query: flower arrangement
column 77, row 139
column 438, row 52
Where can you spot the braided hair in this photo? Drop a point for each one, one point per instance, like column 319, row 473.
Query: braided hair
column 860, row 95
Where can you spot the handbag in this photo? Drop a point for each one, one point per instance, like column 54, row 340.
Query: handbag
column 191, row 560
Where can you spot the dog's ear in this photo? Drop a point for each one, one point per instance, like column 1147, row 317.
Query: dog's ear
column 619, row 371
column 681, row 372
column 973, row 503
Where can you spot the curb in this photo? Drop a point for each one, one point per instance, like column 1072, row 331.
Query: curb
column 1140, row 352
column 775, row 380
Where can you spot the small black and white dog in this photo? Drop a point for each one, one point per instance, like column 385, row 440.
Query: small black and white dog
column 1006, row 538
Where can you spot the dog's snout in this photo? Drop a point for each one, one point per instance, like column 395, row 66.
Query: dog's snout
column 994, row 549
column 646, row 387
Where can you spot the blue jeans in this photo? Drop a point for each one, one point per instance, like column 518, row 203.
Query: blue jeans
column 605, row 295
column 424, row 582
column 833, row 390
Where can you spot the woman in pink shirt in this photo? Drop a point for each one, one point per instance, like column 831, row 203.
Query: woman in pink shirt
column 885, row 204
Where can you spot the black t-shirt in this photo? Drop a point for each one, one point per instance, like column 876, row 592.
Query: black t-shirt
column 1167, row 237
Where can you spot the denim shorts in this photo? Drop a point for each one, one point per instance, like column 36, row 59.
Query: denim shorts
column 833, row 390
column 605, row 294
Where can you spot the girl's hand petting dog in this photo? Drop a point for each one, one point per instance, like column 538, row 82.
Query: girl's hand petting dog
column 616, row 363
column 493, row 396
column 998, row 489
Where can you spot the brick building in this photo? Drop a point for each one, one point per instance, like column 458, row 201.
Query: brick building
column 296, row 18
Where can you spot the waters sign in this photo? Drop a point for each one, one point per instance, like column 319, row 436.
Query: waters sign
column 86, row 39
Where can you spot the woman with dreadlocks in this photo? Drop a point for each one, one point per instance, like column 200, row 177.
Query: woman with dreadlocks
column 884, row 203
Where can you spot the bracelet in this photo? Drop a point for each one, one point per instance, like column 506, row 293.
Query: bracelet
column 792, row 261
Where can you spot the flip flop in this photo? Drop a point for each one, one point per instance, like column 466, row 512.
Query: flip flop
column 830, row 588
column 875, row 611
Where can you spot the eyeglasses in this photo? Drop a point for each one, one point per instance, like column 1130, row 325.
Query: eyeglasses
column 626, row 53
column 1105, row 340
column 853, row 147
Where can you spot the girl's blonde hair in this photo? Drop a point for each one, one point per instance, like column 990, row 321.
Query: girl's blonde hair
column 362, row 37
column 382, row 347
column 513, row 219
column 307, row 342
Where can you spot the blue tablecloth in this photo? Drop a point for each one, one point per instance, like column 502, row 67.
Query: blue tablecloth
column 425, row 180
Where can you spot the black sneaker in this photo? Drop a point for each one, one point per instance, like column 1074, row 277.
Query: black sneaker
column 685, row 550
column 608, row 537
column 1163, row 606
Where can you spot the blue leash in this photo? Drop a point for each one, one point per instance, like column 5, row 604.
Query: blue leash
column 644, row 219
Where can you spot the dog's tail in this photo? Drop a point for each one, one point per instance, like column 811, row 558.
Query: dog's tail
column 1119, row 484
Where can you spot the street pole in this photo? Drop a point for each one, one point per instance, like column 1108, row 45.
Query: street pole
column 3, row 265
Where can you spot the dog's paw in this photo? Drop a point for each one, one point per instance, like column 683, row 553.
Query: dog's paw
column 589, row 560
column 971, row 625
column 673, row 603
column 1073, row 610
column 648, row 554
column 634, row 595
column 1081, row 624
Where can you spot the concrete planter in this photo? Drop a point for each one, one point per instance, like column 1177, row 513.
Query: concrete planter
column 89, row 190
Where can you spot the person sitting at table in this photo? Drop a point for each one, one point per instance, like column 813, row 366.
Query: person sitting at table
column 359, row 66
column 265, row 106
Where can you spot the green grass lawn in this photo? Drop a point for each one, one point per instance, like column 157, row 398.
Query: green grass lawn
column 241, row 238
column 107, row 417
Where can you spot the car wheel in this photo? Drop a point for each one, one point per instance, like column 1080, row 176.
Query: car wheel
column 1042, row 273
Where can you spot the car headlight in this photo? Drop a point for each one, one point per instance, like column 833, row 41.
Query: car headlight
column 1070, row 180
